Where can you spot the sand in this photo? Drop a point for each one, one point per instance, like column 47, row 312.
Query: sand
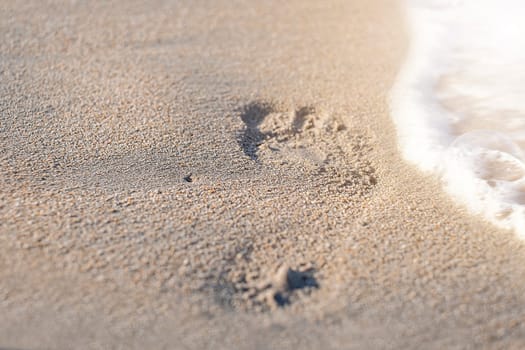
column 194, row 174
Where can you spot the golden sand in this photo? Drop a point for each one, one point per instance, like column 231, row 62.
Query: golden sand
column 195, row 174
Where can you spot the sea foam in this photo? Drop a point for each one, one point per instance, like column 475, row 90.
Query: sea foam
column 459, row 102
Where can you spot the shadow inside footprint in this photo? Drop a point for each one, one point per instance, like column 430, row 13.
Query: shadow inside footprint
column 294, row 280
column 253, row 115
column 301, row 279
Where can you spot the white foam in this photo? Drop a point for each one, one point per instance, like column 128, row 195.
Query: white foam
column 459, row 102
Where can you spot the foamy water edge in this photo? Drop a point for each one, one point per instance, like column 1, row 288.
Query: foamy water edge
column 458, row 103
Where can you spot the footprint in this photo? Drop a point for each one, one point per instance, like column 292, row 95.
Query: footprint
column 322, row 157
column 305, row 138
column 276, row 136
column 263, row 290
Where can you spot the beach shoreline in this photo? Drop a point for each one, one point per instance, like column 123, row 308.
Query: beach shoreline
column 196, row 175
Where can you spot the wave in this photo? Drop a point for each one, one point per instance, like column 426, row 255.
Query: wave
column 459, row 102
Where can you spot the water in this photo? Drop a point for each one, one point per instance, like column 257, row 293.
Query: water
column 459, row 102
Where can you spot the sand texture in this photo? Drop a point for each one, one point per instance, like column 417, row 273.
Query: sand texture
column 224, row 174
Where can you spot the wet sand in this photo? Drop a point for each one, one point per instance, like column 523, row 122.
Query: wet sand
column 192, row 174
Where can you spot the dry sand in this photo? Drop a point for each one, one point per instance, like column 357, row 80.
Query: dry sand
column 224, row 174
